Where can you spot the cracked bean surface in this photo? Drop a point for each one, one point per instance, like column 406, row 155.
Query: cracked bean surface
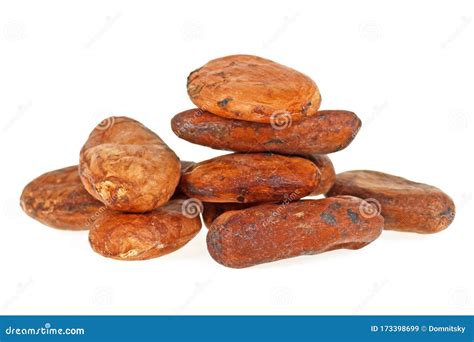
column 128, row 167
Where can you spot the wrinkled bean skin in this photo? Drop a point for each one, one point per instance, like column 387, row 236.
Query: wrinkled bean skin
column 328, row 174
column 325, row 132
column 131, row 236
column 250, row 178
column 252, row 88
column 58, row 199
column 128, row 167
column 270, row 232
column 406, row 205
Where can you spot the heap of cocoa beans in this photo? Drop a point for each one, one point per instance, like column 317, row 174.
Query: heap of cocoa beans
column 139, row 201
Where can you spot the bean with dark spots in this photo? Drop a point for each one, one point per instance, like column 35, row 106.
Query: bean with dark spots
column 223, row 102
column 328, row 218
column 406, row 205
column 353, row 216
column 250, row 178
column 270, row 232
column 311, row 135
column 258, row 88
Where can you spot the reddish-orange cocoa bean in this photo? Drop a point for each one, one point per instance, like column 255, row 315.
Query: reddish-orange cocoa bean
column 130, row 236
column 58, row 199
column 326, row 132
column 252, row 88
column 271, row 232
column 250, row 178
column 328, row 174
column 406, row 205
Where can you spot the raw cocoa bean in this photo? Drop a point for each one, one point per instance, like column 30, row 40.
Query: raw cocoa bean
column 406, row 206
column 252, row 88
column 251, row 177
column 328, row 174
column 130, row 236
column 325, row 132
column 128, row 167
column 271, row 232
column 58, row 199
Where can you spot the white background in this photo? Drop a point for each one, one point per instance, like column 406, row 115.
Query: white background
column 406, row 69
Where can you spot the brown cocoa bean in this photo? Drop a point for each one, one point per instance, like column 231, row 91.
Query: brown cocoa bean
column 406, row 206
column 131, row 236
column 128, row 167
column 270, row 232
column 252, row 88
column 251, row 177
column 58, row 199
column 325, row 132
column 328, row 174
